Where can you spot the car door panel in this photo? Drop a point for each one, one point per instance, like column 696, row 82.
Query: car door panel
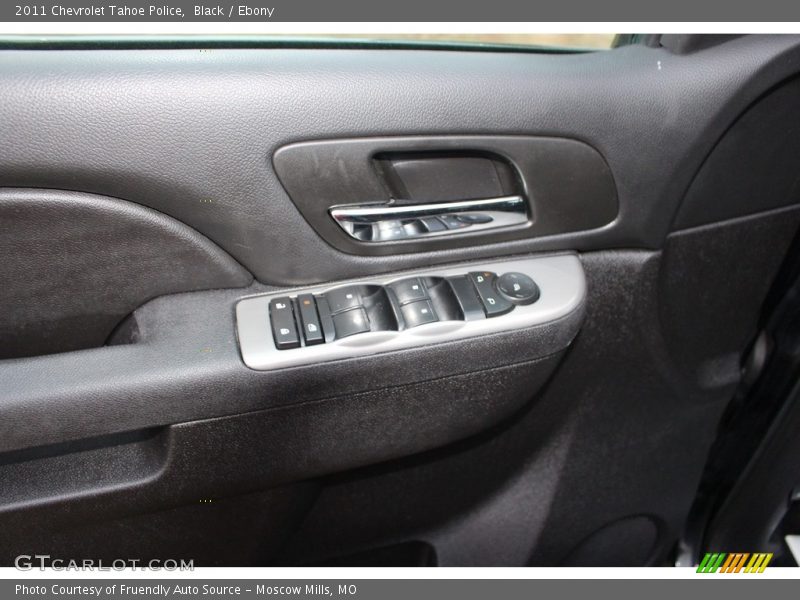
column 577, row 439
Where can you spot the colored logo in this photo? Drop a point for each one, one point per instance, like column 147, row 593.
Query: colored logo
column 739, row 562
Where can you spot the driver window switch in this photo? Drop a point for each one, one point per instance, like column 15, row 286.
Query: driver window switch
column 432, row 224
column 464, row 291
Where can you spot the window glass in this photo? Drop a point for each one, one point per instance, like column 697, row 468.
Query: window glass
column 475, row 41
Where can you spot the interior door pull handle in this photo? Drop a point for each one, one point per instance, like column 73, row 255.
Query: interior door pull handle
column 391, row 222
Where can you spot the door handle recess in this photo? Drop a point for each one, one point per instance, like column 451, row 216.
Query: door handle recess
column 390, row 222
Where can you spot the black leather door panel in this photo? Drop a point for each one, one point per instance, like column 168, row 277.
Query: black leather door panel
column 155, row 193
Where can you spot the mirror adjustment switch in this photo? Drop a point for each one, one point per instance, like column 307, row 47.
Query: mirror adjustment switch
column 418, row 313
column 343, row 299
column 518, row 288
column 284, row 329
column 409, row 290
column 312, row 328
column 350, row 323
column 494, row 304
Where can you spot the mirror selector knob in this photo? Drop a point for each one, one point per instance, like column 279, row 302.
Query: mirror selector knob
column 472, row 218
column 517, row 288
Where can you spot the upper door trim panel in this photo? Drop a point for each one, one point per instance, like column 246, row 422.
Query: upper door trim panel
column 194, row 132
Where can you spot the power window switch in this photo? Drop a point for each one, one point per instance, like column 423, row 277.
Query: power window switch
column 390, row 230
column 350, row 323
column 284, row 329
column 343, row 299
column 494, row 304
column 312, row 328
column 409, row 290
column 324, row 312
column 453, row 222
column 418, row 313
column 468, row 300
column 432, row 224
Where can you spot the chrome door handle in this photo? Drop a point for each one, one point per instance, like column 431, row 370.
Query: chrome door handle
column 389, row 222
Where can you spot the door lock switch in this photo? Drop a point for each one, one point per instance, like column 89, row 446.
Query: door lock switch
column 284, row 329
column 494, row 304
